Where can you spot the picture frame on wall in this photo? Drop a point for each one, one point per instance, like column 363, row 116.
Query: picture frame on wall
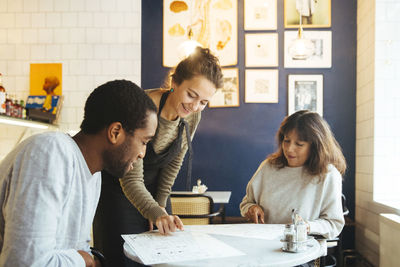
column 260, row 15
column 313, row 13
column 261, row 86
column 322, row 56
column 228, row 96
column 213, row 24
column 305, row 92
column 261, row 50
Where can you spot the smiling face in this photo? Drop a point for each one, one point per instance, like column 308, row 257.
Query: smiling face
column 295, row 150
column 191, row 95
column 120, row 159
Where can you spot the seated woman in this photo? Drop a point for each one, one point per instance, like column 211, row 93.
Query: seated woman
column 305, row 173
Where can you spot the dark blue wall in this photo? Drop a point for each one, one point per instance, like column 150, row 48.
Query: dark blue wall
column 230, row 143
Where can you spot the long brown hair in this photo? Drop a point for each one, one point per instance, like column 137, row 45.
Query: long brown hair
column 324, row 149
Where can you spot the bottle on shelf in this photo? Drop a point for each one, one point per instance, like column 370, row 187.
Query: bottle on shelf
column 2, row 97
column 23, row 110
column 9, row 105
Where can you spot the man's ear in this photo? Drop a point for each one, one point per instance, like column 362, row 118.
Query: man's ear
column 115, row 133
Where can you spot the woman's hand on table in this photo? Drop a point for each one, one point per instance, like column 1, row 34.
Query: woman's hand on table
column 255, row 214
column 168, row 223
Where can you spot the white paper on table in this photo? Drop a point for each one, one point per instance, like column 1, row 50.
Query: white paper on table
column 247, row 230
column 154, row 248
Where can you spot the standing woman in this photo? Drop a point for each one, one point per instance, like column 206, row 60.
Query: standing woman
column 139, row 200
column 305, row 173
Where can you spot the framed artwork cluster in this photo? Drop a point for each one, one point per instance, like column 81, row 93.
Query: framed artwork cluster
column 213, row 24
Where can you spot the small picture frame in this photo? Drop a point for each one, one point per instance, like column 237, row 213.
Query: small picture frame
column 322, row 56
column 314, row 13
column 228, row 96
column 305, row 92
column 260, row 15
column 261, row 50
column 261, row 86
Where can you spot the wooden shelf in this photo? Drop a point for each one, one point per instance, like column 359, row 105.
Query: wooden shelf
column 25, row 123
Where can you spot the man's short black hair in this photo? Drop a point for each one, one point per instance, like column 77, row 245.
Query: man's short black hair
column 116, row 101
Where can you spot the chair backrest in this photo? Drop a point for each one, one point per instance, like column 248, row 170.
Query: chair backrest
column 192, row 208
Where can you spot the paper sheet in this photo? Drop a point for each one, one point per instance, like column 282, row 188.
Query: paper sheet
column 249, row 230
column 154, row 248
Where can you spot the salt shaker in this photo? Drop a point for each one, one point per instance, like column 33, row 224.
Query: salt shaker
column 289, row 235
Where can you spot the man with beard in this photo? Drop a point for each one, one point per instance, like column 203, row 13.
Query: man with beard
column 50, row 183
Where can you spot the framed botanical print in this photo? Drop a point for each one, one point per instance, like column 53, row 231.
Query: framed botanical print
column 260, row 15
column 305, row 92
column 212, row 23
column 261, row 86
column 228, row 96
column 261, row 50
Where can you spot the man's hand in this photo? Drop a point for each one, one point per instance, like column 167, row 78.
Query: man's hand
column 168, row 223
column 255, row 214
column 89, row 261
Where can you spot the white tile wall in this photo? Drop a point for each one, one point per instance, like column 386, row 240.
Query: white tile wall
column 96, row 41
column 378, row 120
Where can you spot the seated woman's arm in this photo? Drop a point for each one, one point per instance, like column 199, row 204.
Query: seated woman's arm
column 331, row 220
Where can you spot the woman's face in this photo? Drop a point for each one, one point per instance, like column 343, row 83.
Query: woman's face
column 295, row 150
column 191, row 95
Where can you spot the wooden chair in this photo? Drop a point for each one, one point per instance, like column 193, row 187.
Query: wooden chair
column 194, row 208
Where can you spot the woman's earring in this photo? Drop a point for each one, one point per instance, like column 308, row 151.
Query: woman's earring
column 171, row 90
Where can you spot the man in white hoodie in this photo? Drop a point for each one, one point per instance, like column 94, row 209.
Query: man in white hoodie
column 50, row 183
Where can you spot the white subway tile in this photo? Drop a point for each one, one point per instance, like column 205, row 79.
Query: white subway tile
column 85, row 19
column 107, row 6
column 61, row 36
column 136, row 6
column 132, row 51
column 14, row 68
column 108, row 36
column 45, row 36
column 85, row 51
column 77, row 67
column 31, row 6
column 26, row 69
column 3, row 6
column 94, row 67
column 100, row 19
column 92, row 6
column 30, row 36
column 22, row 83
column 3, row 36
column 53, row 52
column 22, row 20
column 14, row 36
column 38, row 20
column 38, row 52
column 79, row 116
column 109, row 67
column 85, row 83
column 68, row 113
column 14, row 5
column 22, row 52
column 62, row 6
column 124, row 5
column 124, row 36
column 69, row 51
column 101, row 51
column 46, row 5
column 93, row 35
column 77, row 5
column 69, row 81
column 7, row 20
column 133, row 20
column 53, row 20
column 77, row 35
column 69, row 20
column 125, row 67
column 117, row 51
column 116, row 20
column 7, row 51
column 136, row 35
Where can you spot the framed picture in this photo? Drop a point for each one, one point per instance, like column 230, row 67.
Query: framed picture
column 228, row 96
column 213, row 24
column 260, row 15
column 261, row 49
column 261, row 86
column 322, row 56
column 305, row 92
column 313, row 13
